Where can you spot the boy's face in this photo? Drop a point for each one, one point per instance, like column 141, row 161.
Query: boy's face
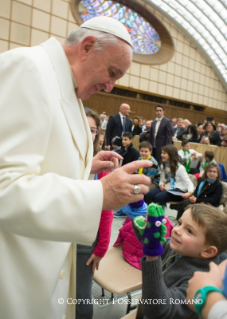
column 188, row 238
column 126, row 141
column 186, row 147
column 144, row 152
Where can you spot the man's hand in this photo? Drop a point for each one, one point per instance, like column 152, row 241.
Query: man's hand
column 202, row 279
column 96, row 261
column 118, row 187
column 105, row 161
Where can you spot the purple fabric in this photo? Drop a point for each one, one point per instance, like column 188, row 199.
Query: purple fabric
column 137, row 204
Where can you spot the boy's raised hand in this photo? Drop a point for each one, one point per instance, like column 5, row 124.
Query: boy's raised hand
column 152, row 230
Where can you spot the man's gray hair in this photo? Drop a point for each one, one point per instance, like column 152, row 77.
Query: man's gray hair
column 103, row 39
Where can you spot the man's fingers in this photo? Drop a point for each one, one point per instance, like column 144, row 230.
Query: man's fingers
column 137, row 179
column 110, row 154
column 144, row 189
column 132, row 167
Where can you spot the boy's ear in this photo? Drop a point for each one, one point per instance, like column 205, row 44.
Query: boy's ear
column 209, row 252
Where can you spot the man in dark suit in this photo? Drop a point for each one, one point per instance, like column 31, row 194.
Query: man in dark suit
column 118, row 124
column 179, row 130
column 161, row 132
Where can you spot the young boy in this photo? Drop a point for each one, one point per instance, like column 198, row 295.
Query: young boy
column 116, row 143
column 197, row 239
column 154, row 171
column 187, row 155
column 130, row 154
column 127, row 151
column 208, row 158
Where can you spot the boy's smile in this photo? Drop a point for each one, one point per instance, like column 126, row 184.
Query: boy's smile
column 188, row 238
column 144, row 152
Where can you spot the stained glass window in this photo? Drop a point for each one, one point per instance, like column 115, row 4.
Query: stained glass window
column 144, row 37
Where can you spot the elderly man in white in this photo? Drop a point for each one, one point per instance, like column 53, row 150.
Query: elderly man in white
column 47, row 203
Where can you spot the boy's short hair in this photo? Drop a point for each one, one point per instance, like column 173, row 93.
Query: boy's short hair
column 214, row 222
column 209, row 154
column 128, row 134
column 184, row 142
column 145, row 145
column 116, row 141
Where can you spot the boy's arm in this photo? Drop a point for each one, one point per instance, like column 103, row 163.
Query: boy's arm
column 183, row 157
column 158, row 300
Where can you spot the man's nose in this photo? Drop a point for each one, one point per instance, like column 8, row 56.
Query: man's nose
column 109, row 86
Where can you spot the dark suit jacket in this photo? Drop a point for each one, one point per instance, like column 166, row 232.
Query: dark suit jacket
column 164, row 136
column 114, row 127
column 181, row 131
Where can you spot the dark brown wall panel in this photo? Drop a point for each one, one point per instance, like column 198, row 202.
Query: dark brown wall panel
column 110, row 103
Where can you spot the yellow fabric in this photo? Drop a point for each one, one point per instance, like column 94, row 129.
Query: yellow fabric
column 141, row 169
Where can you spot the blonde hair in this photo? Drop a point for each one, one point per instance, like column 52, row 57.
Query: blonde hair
column 214, row 223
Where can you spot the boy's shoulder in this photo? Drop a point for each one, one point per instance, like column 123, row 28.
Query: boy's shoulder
column 152, row 159
column 186, row 263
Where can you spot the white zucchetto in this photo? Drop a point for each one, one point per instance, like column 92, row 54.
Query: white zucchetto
column 108, row 25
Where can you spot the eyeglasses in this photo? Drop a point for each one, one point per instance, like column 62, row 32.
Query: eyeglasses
column 212, row 172
column 94, row 130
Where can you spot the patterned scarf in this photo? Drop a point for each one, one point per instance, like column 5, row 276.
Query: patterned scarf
column 141, row 169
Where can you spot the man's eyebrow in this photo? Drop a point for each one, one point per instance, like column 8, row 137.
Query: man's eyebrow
column 114, row 68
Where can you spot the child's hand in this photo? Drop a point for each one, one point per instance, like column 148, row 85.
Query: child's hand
column 202, row 279
column 162, row 187
column 192, row 199
column 152, row 230
column 96, row 261
column 186, row 195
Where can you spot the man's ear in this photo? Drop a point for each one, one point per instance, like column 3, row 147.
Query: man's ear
column 209, row 252
column 86, row 46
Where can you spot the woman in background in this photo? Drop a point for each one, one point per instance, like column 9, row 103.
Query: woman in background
column 136, row 129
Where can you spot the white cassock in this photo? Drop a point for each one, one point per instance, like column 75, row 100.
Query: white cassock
column 47, row 203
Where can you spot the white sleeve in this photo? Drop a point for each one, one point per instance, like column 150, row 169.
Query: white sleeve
column 184, row 157
column 161, row 182
column 185, row 178
column 219, row 310
column 49, row 206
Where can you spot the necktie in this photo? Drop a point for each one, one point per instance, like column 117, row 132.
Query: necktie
column 124, row 120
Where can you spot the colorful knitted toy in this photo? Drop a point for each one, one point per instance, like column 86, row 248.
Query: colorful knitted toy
column 152, row 230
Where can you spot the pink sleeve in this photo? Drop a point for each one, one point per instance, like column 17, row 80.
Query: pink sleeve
column 104, row 228
column 104, row 233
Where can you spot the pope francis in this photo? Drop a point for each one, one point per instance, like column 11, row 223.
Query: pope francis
column 47, row 203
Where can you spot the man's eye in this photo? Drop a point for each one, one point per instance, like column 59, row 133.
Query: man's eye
column 112, row 74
